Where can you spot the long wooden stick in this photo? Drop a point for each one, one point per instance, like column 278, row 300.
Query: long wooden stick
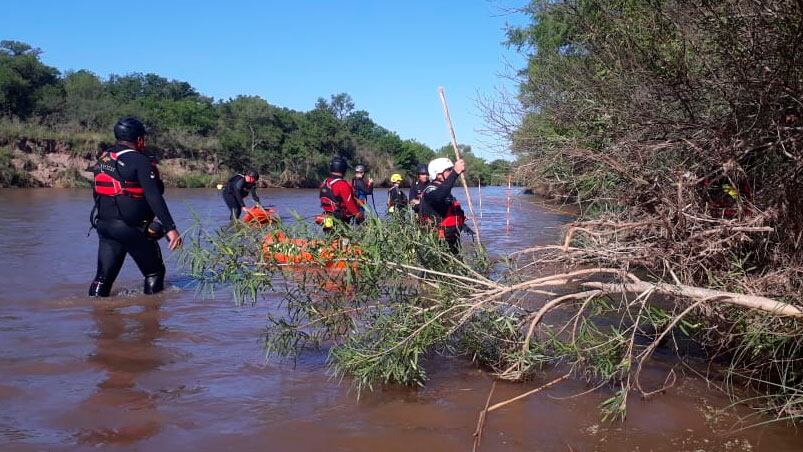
column 479, row 191
column 528, row 393
column 481, row 420
column 507, row 216
column 457, row 155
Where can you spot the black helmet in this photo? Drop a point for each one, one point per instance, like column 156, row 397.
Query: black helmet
column 338, row 165
column 129, row 129
column 253, row 173
column 422, row 169
column 359, row 169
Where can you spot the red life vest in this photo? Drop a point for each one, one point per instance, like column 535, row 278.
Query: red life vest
column 331, row 203
column 455, row 217
column 109, row 181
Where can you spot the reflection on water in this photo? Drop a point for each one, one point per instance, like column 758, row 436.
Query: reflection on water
column 174, row 372
column 126, row 349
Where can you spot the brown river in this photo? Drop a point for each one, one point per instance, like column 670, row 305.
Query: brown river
column 177, row 372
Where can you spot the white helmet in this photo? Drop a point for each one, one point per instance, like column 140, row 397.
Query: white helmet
column 438, row 166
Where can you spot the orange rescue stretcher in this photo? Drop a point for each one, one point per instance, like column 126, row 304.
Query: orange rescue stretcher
column 277, row 247
column 260, row 215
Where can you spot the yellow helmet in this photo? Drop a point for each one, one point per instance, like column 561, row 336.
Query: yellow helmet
column 396, row 178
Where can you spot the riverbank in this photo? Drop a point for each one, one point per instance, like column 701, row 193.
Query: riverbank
column 50, row 163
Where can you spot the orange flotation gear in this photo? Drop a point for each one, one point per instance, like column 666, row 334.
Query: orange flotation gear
column 277, row 247
column 259, row 215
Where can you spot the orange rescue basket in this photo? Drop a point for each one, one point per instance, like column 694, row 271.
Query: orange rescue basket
column 260, row 215
column 276, row 246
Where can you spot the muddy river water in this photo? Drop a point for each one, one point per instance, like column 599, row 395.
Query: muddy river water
column 176, row 372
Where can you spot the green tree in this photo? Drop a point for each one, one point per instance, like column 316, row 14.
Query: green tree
column 328, row 134
column 86, row 102
column 135, row 86
column 359, row 124
column 22, row 79
column 421, row 154
column 341, row 105
column 249, row 135
column 188, row 115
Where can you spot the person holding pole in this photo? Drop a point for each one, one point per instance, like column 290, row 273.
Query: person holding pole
column 456, row 148
column 438, row 207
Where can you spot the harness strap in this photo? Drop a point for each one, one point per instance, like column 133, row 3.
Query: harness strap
column 116, row 155
column 329, row 200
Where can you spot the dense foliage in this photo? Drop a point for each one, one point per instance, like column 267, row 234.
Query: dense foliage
column 292, row 147
column 677, row 125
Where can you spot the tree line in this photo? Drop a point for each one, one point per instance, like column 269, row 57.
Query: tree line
column 292, row 147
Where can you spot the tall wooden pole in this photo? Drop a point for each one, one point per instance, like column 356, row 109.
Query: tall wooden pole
column 509, row 189
column 479, row 194
column 457, row 155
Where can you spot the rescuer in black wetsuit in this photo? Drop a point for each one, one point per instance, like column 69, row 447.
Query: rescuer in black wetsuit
column 397, row 200
column 417, row 189
column 128, row 197
column 237, row 188
column 362, row 189
column 438, row 207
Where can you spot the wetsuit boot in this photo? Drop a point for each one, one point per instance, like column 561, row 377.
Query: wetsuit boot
column 154, row 283
column 99, row 289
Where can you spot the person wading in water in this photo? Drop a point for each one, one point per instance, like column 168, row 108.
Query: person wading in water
column 337, row 197
column 237, row 188
column 397, row 200
column 362, row 189
column 128, row 198
column 417, row 189
column 438, row 207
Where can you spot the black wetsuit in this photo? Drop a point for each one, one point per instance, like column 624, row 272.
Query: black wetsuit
column 435, row 205
column 362, row 190
column 416, row 190
column 397, row 201
column 121, row 222
column 235, row 190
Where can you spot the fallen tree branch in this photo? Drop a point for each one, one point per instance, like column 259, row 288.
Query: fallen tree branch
column 481, row 420
column 698, row 293
column 550, row 306
column 651, row 348
column 528, row 393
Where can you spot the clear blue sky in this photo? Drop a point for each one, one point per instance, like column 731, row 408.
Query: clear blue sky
column 389, row 56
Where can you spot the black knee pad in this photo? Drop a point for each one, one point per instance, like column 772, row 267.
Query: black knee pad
column 154, row 283
column 99, row 289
